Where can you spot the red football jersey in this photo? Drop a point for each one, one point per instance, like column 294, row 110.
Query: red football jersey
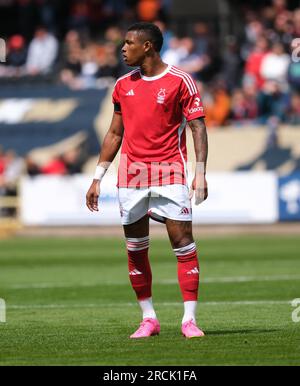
column 154, row 112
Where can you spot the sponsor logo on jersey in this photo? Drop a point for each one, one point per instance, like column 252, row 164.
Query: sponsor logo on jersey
column 196, row 107
column 197, row 102
column 161, row 96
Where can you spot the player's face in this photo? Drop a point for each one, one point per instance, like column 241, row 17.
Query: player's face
column 134, row 49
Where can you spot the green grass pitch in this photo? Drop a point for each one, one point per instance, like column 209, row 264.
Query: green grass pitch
column 69, row 302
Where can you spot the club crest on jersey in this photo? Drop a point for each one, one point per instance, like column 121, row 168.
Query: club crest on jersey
column 161, row 96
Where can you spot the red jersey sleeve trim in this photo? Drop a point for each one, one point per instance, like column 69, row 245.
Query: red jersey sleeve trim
column 195, row 116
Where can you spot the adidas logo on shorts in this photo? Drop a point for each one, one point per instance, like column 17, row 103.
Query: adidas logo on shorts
column 185, row 211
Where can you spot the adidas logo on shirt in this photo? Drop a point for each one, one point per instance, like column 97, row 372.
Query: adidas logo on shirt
column 130, row 93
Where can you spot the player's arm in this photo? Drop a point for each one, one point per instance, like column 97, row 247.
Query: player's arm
column 110, row 147
column 199, row 184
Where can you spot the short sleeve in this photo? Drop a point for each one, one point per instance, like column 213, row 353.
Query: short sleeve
column 190, row 100
column 116, row 100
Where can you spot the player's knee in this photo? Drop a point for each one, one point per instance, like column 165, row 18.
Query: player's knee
column 180, row 242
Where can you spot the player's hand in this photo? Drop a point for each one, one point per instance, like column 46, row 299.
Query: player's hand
column 92, row 196
column 199, row 185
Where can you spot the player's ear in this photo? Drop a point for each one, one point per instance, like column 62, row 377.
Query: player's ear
column 147, row 46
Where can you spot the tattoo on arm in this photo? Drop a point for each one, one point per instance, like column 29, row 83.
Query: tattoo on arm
column 199, row 132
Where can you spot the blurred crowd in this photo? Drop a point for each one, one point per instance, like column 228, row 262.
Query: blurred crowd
column 243, row 79
column 12, row 167
column 260, row 74
column 250, row 77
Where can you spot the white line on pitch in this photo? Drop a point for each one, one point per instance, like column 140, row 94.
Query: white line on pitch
column 208, row 280
column 241, row 279
column 116, row 305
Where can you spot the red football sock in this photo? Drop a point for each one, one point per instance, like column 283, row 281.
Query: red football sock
column 188, row 271
column 140, row 274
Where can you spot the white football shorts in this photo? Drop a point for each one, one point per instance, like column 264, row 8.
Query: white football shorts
column 159, row 202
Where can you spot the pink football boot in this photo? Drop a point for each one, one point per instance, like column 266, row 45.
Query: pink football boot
column 190, row 330
column 148, row 327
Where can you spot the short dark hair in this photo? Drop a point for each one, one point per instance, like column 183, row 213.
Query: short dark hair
column 152, row 32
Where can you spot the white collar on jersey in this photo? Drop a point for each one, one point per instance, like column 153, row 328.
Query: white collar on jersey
column 150, row 78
